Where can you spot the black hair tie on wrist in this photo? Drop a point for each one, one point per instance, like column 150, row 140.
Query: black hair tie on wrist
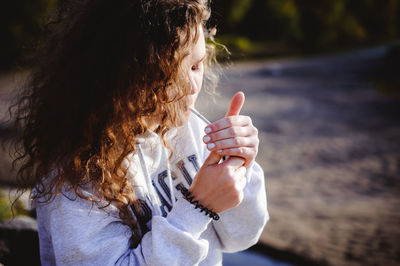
column 188, row 196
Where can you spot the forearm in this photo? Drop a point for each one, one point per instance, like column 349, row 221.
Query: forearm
column 84, row 236
column 173, row 240
column 241, row 227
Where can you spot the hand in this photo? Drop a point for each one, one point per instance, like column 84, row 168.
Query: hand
column 219, row 187
column 233, row 135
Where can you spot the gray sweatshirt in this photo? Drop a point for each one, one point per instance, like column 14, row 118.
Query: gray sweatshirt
column 173, row 232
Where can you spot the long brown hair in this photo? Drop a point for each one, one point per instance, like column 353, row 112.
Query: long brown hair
column 104, row 68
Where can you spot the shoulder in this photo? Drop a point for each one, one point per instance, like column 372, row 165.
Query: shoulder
column 70, row 200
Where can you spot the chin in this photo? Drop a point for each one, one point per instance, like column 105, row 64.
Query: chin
column 184, row 116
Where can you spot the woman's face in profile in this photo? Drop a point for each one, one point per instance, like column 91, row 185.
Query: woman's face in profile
column 194, row 65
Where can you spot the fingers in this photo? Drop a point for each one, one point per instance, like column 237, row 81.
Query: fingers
column 239, row 141
column 244, row 152
column 247, row 153
column 236, row 104
column 227, row 122
column 241, row 173
column 234, row 162
column 213, row 158
column 233, row 143
column 229, row 143
column 231, row 132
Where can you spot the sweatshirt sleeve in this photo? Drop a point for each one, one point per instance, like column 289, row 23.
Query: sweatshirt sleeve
column 82, row 234
column 240, row 227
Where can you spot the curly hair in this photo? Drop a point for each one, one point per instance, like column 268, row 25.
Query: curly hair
column 103, row 69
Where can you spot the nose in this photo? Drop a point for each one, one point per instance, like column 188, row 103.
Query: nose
column 193, row 85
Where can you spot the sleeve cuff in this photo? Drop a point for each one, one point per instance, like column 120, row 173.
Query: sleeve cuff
column 185, row 217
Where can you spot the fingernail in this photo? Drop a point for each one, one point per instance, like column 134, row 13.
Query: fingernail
column 207, row 139
column 210, row 145
column 207, row 130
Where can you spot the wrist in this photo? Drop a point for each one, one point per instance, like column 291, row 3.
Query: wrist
column 185, row 217
column 187, row 194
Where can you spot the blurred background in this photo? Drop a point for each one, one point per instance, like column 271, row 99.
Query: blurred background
column 322, row 85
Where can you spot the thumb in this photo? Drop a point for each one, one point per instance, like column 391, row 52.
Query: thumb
column 235, row 162
column 236, row 104
column 213, row 158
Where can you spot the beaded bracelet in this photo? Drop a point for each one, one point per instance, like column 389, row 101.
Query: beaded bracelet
column 188, row 196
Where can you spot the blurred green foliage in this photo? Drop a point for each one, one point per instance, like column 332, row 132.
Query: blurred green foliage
column 244, row 25
column 309, row 25
column 7, row 208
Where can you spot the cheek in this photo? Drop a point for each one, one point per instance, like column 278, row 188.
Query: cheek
column 196, row 80
column 199, row 79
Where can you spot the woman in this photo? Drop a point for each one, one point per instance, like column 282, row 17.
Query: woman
column 123, row 173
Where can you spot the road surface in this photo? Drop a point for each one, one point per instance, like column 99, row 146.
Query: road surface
column 330, row 149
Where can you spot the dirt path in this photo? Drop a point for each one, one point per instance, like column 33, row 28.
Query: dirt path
column 330, row 148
